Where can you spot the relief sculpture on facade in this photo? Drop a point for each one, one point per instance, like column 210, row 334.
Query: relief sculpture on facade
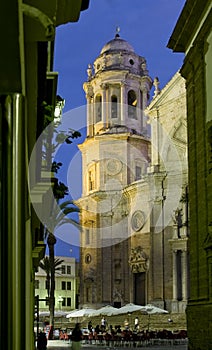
column 138, row 261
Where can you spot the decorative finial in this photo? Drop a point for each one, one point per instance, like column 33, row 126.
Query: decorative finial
column 156, row 84
column 89, row 72
column 117, row 32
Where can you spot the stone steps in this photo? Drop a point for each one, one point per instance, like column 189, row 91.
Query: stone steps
column 153, row 322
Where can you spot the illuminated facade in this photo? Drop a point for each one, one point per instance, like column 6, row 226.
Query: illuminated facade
column 133, row 246
column 66, row 286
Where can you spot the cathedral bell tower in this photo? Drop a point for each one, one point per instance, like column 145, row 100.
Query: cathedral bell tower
column 115, row 154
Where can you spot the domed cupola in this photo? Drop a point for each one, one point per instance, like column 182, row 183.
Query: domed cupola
column 117, row 44
column 117, row 89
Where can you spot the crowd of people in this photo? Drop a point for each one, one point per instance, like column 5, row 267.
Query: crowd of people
column 115, row 335
column 109, row 328
column 120, row 335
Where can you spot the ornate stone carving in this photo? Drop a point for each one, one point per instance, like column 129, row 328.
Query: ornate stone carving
column 156, row 84
column 89, row 72
column 114, row 166
column 89, row 276
column 117, row 295
column 104, row 86
column 89, row 90
column 138, row 220
column 138, row 261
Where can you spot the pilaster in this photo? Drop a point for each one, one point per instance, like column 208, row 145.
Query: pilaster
column 123, row 102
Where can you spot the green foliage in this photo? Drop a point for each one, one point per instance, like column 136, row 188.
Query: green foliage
column 48, row 113
column 56, row 166
column 45, row 264
column 60, row 190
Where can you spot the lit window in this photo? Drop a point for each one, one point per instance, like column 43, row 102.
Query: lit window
column 132, row 104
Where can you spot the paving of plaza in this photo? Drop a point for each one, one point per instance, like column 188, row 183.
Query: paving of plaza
column 62, row 345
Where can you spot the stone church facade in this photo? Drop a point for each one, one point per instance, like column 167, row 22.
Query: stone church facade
column 133, row 208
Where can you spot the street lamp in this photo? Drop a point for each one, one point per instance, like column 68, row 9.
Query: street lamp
column 60, row 300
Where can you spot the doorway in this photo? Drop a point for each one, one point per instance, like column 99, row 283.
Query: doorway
column 140, row 288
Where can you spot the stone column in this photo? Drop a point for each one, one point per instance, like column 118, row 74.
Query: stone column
column 184, row 268
column 104, row 104
column 144, row 104
column 175, row 231
column 174, row 254
column 139, row 109
column 155, row 140
column 89, row 116
column 123, row 103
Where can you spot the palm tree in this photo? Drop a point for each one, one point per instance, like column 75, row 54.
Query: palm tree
column 46, row 266
column 58, row 217
column 59, row 212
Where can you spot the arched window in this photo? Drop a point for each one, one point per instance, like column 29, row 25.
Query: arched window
column 114, row 109
column 98, row 108
column 132, row 104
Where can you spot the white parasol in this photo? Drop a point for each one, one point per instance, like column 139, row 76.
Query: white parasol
column 80, row 313
column 107, row 310
column 151, row 309
column 129, row 308
column 56, row 313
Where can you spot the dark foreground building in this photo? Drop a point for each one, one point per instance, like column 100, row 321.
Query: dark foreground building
column 192, row 35
column 27, row 32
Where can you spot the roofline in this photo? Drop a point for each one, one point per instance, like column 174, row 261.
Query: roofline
column 164, row 91
column 187, row 24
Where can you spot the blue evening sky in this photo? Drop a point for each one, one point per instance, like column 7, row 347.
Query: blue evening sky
column 146, row 25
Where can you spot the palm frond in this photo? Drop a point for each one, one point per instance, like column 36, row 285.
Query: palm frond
column 58, row 262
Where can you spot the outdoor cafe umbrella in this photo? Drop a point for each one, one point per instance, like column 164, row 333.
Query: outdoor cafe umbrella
column 80, row 313
column 56, row 313
column 147, row 310
column 151, row 309
column 107, row 310
column 129, row 308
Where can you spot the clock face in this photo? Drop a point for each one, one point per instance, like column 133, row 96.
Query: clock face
column 138, row 220
column 113, row 166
